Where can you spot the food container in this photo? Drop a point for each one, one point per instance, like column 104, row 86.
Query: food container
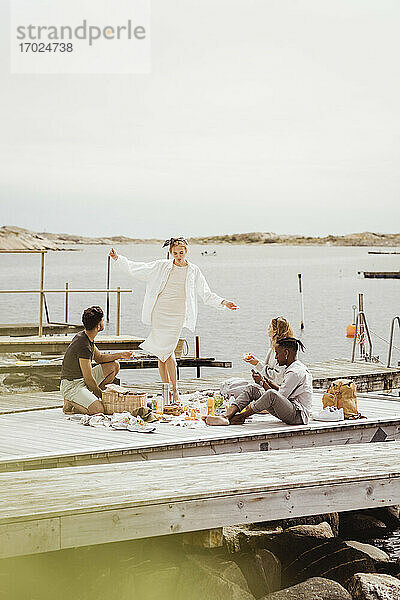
column 117, row 399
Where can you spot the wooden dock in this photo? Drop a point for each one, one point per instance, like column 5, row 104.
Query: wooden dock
column 32, row 329
column 368, row 376
column 36, row 439
column 57, row 344
column 54, row 367
column 54, row 509
column 380, row 274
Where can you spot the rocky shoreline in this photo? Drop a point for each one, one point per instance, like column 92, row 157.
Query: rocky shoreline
column 310, row 558
column 17, row 238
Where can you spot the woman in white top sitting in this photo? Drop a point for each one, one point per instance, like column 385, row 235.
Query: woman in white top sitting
column 170, row 303
column 278, row 328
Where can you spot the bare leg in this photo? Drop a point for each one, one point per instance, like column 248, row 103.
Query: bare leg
column 110, row 371
column 163, row 371
column 171, row 368
column 94, row 408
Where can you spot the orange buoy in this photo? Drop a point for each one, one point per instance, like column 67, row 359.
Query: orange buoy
column 350, row 331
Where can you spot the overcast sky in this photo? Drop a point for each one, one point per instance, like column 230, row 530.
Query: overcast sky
column 258, row 115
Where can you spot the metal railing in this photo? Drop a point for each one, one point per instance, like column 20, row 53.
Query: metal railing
column 67, row 291
column 394, row 320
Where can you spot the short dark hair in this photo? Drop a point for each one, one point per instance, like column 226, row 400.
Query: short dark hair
column 92, row 316
column 291, row 343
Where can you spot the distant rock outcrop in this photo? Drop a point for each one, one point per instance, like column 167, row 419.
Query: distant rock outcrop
column 16, row 238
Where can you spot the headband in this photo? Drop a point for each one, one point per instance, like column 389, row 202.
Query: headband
column 172, row 241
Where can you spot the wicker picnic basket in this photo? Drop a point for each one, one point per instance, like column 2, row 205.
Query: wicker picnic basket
column 117, row 399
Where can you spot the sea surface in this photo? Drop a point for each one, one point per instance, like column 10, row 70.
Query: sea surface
column 262, row 280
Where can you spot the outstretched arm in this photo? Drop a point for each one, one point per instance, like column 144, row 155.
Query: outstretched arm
column 138, row 270
column 209, row 297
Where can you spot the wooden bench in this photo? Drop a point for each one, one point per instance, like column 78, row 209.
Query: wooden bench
column 47, row 510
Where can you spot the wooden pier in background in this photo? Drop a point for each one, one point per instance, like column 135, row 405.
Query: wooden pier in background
column 32, row 329
column 73, row 507
column 57, row 344
column 380, row 274
column 54, row 367
column 368, row 376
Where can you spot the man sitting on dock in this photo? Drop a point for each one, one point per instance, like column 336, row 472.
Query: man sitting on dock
column 290, row 402
column 82, row 385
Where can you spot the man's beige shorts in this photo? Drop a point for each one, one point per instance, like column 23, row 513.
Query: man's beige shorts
column 76, row 390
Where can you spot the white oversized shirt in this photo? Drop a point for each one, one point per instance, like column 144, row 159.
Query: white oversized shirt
column 297, row 386
column 155, row 274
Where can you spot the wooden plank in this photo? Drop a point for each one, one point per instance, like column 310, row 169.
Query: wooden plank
column 54, row 367
column 57, row 344
column 29, row 538
column 28, row 401
column 48, row 437
column 106, row 503
column 32, row 329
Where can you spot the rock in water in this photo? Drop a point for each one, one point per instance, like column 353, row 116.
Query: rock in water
column 361, row 525
column 305, row 557
column 375, row 553
column 371, row 586
column 316, row 588
column 331, row 518
column 322, row 530
column 207, row 575
column 262, row 571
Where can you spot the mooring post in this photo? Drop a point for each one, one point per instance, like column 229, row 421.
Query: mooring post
column 108, row 287
column 41, row 293
column 361, row 324
column 301, row 302
column 197, row 355
column 118, row 308
column 66, row 302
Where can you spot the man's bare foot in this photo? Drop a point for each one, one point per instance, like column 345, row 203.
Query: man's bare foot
column 68, row 408
column 238, row 419
column 216, row 420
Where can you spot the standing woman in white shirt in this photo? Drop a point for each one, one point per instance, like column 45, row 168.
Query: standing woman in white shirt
column 278, row 328
column 170, row 303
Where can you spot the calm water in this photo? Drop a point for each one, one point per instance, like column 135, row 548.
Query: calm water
column 261, row 279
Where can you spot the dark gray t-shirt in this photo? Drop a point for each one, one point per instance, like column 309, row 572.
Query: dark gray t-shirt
column 80, row 347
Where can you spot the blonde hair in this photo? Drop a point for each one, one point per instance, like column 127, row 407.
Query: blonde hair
column 281, row 328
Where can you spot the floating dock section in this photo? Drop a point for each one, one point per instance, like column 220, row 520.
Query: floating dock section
column 73, row 507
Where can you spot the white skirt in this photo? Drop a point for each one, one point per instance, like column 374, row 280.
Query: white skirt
column 168, row 316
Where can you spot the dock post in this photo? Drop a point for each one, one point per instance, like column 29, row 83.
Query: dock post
column 41, row 293
column 301, row 302
column 197, row 354
column 66, row 302
column 361, row 325
column 108, row 287
column 118, row 308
